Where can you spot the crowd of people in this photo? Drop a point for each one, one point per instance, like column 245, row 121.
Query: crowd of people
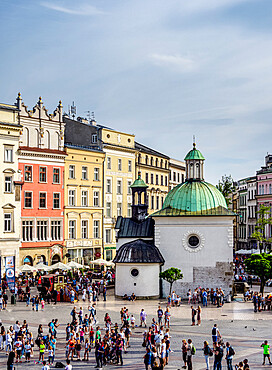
column 108, row 341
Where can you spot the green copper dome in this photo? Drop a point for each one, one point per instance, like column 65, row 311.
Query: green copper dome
column 194, row 198
column 194, row 154
column 139, row 183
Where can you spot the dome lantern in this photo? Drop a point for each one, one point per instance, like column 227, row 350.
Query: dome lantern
column 194, row 165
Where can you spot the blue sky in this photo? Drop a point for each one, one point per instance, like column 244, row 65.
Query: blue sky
column 163, row 70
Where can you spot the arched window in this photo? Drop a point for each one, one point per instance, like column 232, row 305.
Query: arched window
column 146, row 159
column 139, row 158
column 47, row 139
column 191, row 170
column 37, row 138
column 26, row 138
column 151, row 161
column 161, row 163
column 156, row 162
column 197, row 171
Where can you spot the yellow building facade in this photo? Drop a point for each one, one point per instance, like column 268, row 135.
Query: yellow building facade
column 83, row 204
column 154, row 168
column 119, row 174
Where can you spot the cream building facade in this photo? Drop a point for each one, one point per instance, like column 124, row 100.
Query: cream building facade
column 154, row 169
column 177, row 172
column 83, row 203
column 119, row 174
column 10, row 189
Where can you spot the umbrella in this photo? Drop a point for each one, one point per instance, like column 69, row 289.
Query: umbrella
column 42, row 267
column 99, row 262
column 75, row 265
column 110, row 264
column 27, row 268
column 60, row 266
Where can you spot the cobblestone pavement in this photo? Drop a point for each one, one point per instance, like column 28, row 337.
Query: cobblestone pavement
column 236, row 321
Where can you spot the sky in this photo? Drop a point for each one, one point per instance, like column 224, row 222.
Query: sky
column 162, row 70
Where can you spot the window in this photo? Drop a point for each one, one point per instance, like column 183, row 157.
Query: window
column 161, row 163
column 166, row 181
column 108, row 209
column 28, row 173
column 178, row 174
column 146, row 178
column 84, row 198
column 174, row 176
column 193, row 241
column 108, row 236
column 152, row 178
column 8, row 184
column 129, row 210
column 129, row 166
column 94, row 138
column 56, row 175
column 71, row 172
column 72, row 229
column 28, row 199
column 56, row 230
column 108, row 255
column 42, row 230
column 157, row 179
column 156, row 162
column 27, row 231
column 146, row 159
column 119, row 186
column 56, row 200
column 96, row 198
column 161, row 202
column 134, row 272
column 42, row 200
column 119, row 164
column 182, row 178
column 162, row 180
column 7, row 222
column 84, row 173
column 84, row 229
column 108, row 186
column 129, row 186
column 152, row 202
column 96, row 174
column 96, row 229
column 8, row 154
column 109, row 163
column 157, row 202
column 151, row 161
column 71, row 198
column 119, row 209
column 42, row 174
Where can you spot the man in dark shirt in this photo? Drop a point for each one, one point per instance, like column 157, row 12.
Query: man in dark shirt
column 10, row 360
column 160, row 315
column 218, row 355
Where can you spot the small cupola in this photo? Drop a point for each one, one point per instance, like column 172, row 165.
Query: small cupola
column 139, row 199
column 194, row 165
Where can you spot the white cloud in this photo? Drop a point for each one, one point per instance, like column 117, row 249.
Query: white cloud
column 80, row 10
column 182, row 64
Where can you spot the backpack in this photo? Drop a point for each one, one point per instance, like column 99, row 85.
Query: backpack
column 193, row 351
column 210, row 352
column 214, row 331
column 231, row 351
column 59, row 365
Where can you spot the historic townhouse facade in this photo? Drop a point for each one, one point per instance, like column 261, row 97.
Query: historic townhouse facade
column 41, row 161
column 83, row 203
column 177, row 172
column 10, row 183
column 154, row 168
column 119, row 174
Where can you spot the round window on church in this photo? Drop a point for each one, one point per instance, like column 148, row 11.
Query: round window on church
column 193, row 241
column 134, row 272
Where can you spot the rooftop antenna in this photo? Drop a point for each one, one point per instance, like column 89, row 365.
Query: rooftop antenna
column 73, row 110
column 194, row 143
column 88, row 115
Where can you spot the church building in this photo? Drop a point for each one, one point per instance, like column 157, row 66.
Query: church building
column 193, row 232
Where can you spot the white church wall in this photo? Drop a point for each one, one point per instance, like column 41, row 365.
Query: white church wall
column 199, row 265
column 146, row 284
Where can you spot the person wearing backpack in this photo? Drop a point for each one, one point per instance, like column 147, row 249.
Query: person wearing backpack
column 191, row 351
column 229, row 355
column 207, row 353
column 218, row 355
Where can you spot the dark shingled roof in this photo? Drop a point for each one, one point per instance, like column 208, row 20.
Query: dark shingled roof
column 129, row 228
column 138, row 251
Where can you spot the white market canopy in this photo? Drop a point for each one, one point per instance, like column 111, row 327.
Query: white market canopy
column 27, row 268
column 60, row 266
column 42, row 267
column 74, row 265
column 102, row 262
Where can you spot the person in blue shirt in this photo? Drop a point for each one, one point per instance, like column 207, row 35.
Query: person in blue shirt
column 148, row 357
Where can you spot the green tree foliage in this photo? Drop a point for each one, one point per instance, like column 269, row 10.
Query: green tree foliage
column 226, row 186
column 171, row 275
column 259, row 234
column 260, row 265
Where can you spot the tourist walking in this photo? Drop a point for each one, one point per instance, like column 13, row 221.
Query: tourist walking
column 190, row 353
column 193, row 315
column 215, row 334
column 143, row 316
column 266, row 352
column 218, row 355
column 229, row 355
column 207, row 354
column 198, row 316
column 184, row 349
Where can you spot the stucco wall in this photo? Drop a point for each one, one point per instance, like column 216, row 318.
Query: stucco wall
column 146, row 284
column 200, row 266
